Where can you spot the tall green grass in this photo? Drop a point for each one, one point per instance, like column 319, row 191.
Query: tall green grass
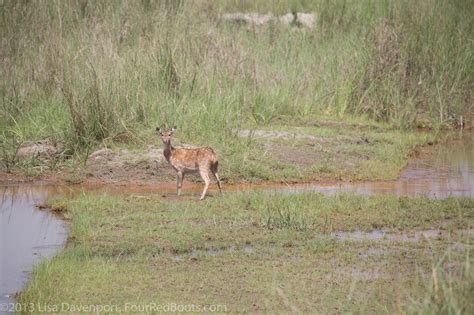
column 450, row 288
column 83, row 71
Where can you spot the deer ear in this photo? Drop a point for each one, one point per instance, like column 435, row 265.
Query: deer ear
column 173, row 130
column 158, row 129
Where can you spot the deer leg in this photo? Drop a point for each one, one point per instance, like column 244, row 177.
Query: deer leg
column 216, row 175
column 179, row 182
column 205, row 176
column 218, row 181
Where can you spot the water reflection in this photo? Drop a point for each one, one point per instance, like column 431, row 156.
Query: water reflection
column 27, row 235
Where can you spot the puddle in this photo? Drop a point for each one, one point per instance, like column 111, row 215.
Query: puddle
column 339, row 274
column 27, row 235
column 248, row 249
column 414, row 237
column 212, row 251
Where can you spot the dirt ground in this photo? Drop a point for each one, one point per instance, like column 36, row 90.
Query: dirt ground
column 123, row 165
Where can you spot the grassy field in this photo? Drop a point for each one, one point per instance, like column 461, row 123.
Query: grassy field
column 263, row 252
column 86, row 75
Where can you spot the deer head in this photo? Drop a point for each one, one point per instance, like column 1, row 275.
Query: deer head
column 166, row 135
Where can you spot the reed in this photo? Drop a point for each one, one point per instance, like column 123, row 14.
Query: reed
column 84, row 71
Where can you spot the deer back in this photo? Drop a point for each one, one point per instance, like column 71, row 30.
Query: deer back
column 191, row 159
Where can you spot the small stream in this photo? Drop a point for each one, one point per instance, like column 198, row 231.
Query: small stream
column 448, row 170
column 29, row 235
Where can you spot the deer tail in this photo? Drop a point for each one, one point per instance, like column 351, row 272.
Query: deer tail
column 214, row 166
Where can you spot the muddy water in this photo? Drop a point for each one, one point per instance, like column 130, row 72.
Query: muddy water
column 27, row 235
column 447, row 170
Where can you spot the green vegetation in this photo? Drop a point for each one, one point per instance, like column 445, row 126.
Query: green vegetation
column 275, row 252
column 331, row 150
column 448, row 291
column 87, row 73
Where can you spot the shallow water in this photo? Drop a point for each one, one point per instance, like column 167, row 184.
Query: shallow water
column 448, row 170
column 27, row 235
column 414, row 237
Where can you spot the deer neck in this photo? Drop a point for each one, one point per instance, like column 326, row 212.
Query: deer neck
column 168, row 150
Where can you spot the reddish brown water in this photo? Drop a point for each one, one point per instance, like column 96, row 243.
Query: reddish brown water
column 448, row 170
column 28, row 235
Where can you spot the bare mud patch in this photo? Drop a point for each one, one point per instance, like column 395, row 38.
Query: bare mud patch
column 306, row 155
column 314, row 153
column 123, row 165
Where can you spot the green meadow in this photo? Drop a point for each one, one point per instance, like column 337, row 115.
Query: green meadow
column 263, row 252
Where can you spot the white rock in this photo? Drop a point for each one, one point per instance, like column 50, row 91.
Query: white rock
column 306, row 19
column 286, row 19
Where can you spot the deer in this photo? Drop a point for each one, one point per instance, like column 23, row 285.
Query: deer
column 189, row 160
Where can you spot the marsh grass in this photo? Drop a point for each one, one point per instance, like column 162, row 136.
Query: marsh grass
column 83, row 72
column 180, row 252
column 449, row 287
column 155, row 225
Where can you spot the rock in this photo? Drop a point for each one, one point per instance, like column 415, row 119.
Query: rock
column 39, row 149
column 287, row 19
column 300, row 19
column 234, row 17
column 260, row 19
column 256, row 19
column 306, row 19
